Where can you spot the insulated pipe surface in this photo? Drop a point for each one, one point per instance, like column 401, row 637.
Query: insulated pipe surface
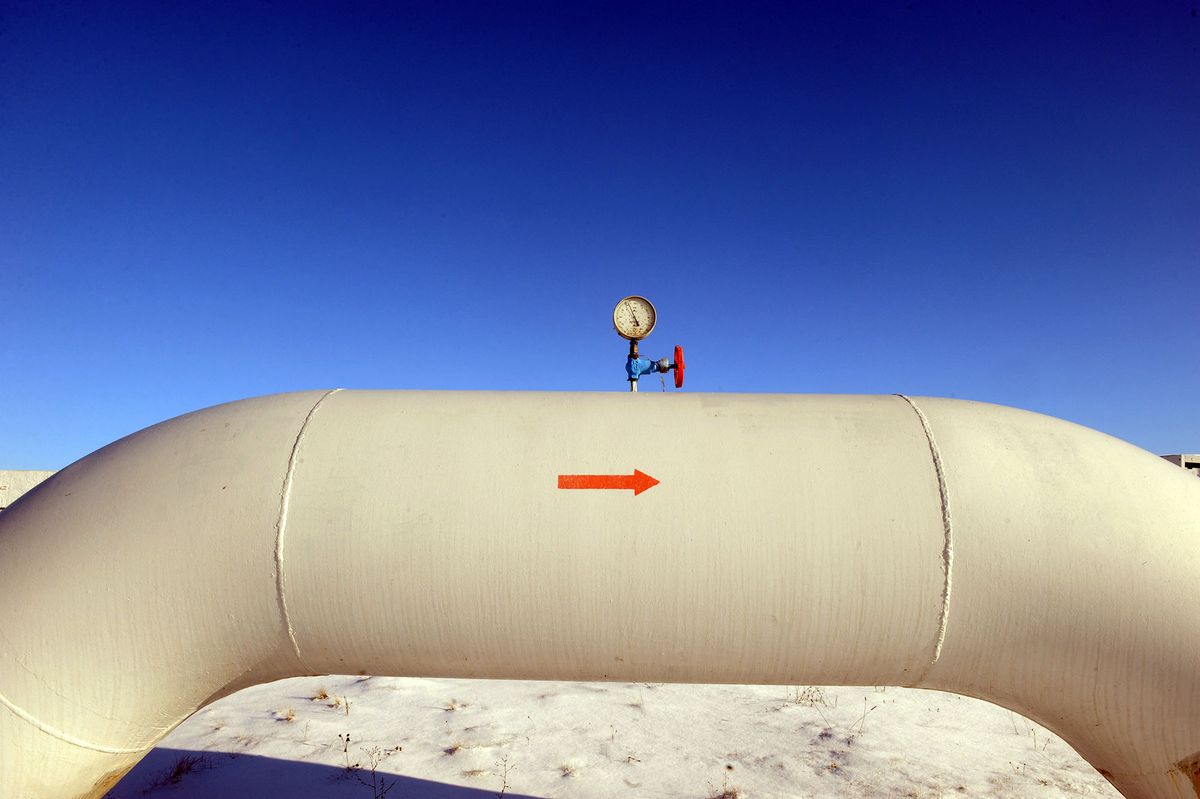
column 790, row 539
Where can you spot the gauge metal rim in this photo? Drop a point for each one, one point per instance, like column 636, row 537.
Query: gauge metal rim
column 617, row 307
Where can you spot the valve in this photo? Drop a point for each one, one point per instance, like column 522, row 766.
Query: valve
column 635, row 366
column 633, row 319
column 663, row 365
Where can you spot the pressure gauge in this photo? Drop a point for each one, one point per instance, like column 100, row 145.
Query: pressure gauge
column 634, row 318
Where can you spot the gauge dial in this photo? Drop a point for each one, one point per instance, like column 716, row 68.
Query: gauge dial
column 634, row 318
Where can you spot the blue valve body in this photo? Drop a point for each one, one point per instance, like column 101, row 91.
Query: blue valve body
column 636, row 367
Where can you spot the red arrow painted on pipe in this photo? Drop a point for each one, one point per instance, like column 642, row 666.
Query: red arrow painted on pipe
column 638, row 481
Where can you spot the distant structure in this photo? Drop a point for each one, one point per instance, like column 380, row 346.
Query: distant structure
column 14, row 484
column 1189, row 462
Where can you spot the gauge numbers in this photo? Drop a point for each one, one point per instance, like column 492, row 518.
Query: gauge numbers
column 634, row 317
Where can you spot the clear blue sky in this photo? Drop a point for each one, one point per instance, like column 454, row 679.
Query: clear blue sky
column 206, row 201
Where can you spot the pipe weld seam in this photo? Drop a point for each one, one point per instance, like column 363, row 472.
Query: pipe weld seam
column 62, row 736
column 281, row 525
column 948, row 537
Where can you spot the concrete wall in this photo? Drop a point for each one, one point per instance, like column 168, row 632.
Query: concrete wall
column 14, row 484
column 1189, row 462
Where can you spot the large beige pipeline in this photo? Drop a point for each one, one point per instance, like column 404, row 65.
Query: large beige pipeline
column 790, row 539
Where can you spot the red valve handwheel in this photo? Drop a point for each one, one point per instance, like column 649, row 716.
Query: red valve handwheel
column 678, row 366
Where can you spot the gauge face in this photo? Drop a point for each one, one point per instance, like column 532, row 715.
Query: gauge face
column 634, row 317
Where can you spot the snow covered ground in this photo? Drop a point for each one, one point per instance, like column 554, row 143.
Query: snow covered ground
column 346, row 737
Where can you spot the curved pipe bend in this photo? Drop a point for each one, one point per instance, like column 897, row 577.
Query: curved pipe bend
column 791, row 539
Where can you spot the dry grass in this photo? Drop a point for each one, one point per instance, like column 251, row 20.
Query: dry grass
column 726, row 791
column 182, row 767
